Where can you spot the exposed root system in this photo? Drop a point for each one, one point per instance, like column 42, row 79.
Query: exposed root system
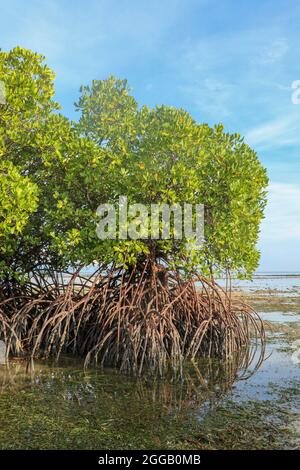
column 144, row 318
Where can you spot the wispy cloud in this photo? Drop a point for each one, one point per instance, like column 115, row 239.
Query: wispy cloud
column 272, row 52
column 247, row 66
column 280, row 132
column 82, row 40
column 211, row 95
column 223, row 61
column 282, row 217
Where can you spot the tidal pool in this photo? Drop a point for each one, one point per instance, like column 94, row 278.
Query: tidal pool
column 215, row 405
column 280, row 317
column 287, row 284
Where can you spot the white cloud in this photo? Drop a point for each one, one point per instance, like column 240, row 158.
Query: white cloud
column 273, row 52
column 248, row 64
column 282, row 215
column 82, row 41
column 211, row 95
column 276, row 133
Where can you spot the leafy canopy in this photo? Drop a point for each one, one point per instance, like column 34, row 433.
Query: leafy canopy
column 31, row 132
column 55, row 173
column 162, row 155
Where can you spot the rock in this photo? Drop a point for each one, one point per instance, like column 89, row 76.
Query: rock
column 2, row 352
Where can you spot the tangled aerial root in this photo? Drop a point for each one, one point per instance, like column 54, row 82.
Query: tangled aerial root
column 143, row 318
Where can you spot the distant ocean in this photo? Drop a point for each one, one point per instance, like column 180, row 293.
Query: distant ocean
column 286, row 281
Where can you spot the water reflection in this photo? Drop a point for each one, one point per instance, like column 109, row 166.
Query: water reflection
column 201, row 381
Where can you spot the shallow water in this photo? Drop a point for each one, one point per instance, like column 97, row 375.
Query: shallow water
column 288, row 284
column 215, row 405
column 280, row 317
column 64, row 407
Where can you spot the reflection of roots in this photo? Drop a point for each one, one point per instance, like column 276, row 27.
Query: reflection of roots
column 202, row 381
column 146, row 317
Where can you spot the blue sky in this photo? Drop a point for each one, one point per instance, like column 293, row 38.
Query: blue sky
column 223, row 60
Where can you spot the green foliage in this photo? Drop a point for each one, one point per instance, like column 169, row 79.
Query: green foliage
column 18, row 199
column 108, row 113
column 156, row 155
column 163, row 156
column 30, row 135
